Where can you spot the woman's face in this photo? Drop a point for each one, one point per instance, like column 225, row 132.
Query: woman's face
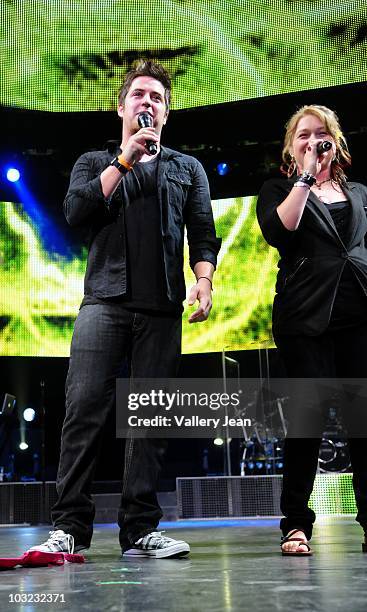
column 309, row 131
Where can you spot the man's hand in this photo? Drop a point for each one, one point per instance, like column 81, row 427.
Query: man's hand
column 202, row 292
column 135, row 147
column 132, row 152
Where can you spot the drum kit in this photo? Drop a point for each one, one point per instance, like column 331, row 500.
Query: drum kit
column 262, row 445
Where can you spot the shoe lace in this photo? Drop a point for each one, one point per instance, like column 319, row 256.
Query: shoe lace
column 157, row 537
column 58, row 536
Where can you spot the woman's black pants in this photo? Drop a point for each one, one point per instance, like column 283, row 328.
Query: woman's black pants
column 332, row 354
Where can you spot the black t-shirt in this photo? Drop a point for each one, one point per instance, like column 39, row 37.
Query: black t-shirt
column 350, row 304
column 146, row 279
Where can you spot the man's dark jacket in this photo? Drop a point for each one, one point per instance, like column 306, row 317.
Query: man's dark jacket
column 312, row 258
column 184, row 199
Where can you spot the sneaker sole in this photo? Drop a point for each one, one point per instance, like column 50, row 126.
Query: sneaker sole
column 179, row 550
column 80, row 548
column 77, row 549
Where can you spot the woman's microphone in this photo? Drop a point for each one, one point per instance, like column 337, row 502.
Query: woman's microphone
column 323, row 146
column 145, row 120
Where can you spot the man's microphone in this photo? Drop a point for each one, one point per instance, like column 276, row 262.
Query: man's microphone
column 323, row 146
column 145, row 120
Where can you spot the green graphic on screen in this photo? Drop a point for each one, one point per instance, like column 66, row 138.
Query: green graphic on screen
column 333, row 494
column 62, row 55
column 41, row 289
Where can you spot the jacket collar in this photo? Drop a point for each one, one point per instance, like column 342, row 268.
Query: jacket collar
column 321, row 211
column 167, row 153
column 357, row 228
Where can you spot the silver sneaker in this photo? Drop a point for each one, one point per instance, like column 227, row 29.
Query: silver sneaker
column 158, row 546
column 59, row 541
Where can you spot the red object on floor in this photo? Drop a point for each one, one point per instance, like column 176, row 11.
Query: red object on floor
column 35, row 558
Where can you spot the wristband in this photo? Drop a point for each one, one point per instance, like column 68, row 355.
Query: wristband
column 121, row 164
column 301, row 184
column 207, row 278
column 126, row 164
column 307, row 178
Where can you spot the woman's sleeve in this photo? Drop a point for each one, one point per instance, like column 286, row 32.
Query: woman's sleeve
column 272, row 193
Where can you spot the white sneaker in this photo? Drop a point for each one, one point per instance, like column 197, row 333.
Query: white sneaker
column 59, row 541
column 158, row 546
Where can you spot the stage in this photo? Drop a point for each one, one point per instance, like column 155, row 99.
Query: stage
column 234, row 565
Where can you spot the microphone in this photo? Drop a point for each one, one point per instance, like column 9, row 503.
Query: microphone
column 145, row 120
column 323, row 146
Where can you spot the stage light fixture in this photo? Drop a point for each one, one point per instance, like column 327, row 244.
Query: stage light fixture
column 23, row 446
column 13, row 175
column 8, row 405
column 29, row 415
column 279, row 465
column 250, row 465
column 223, row 168
column 259, row 465
column 218, row 441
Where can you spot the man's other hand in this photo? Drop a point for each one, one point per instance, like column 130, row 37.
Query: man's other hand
column 201, row 292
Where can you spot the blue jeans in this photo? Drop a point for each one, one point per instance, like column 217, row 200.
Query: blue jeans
column 105, row 336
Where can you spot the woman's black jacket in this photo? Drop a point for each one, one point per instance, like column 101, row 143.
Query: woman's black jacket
column 312, row 258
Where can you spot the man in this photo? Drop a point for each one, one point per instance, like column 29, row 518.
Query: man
column 134, row 207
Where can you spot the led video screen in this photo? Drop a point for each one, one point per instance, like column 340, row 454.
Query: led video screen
column 41, row 283
column 71, row 56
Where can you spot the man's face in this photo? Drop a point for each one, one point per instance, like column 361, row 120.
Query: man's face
column 145, row 95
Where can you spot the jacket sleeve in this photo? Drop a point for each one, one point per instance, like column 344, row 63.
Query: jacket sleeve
column 271, row 194
column 85, row 194
column 203, row 242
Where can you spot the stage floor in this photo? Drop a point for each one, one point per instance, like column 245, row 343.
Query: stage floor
column 234, row 565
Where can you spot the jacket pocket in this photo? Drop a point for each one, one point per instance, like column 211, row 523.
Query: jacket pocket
column 298, row 265
column 178, row 188
column 180, row 178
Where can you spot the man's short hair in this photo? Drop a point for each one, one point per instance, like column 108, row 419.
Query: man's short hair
column 151, row 69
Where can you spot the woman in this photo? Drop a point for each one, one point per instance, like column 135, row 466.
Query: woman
column 317, row 221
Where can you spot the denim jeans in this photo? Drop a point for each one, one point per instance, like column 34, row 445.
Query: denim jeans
column 342, row 354
column 105, row 336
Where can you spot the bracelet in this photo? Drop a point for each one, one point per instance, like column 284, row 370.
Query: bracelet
column 126, row 164
column 301, row 184
column 307, row 178
column 207, row 278
column 121, row 164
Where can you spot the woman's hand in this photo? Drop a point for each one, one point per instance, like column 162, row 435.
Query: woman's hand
column 312, row 160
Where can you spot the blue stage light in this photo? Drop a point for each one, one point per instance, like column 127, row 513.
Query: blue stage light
column 13, row 175
column 259, row 465
column 279, row 465
column 223, row 168
column 51, row 237
column 250, row 465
